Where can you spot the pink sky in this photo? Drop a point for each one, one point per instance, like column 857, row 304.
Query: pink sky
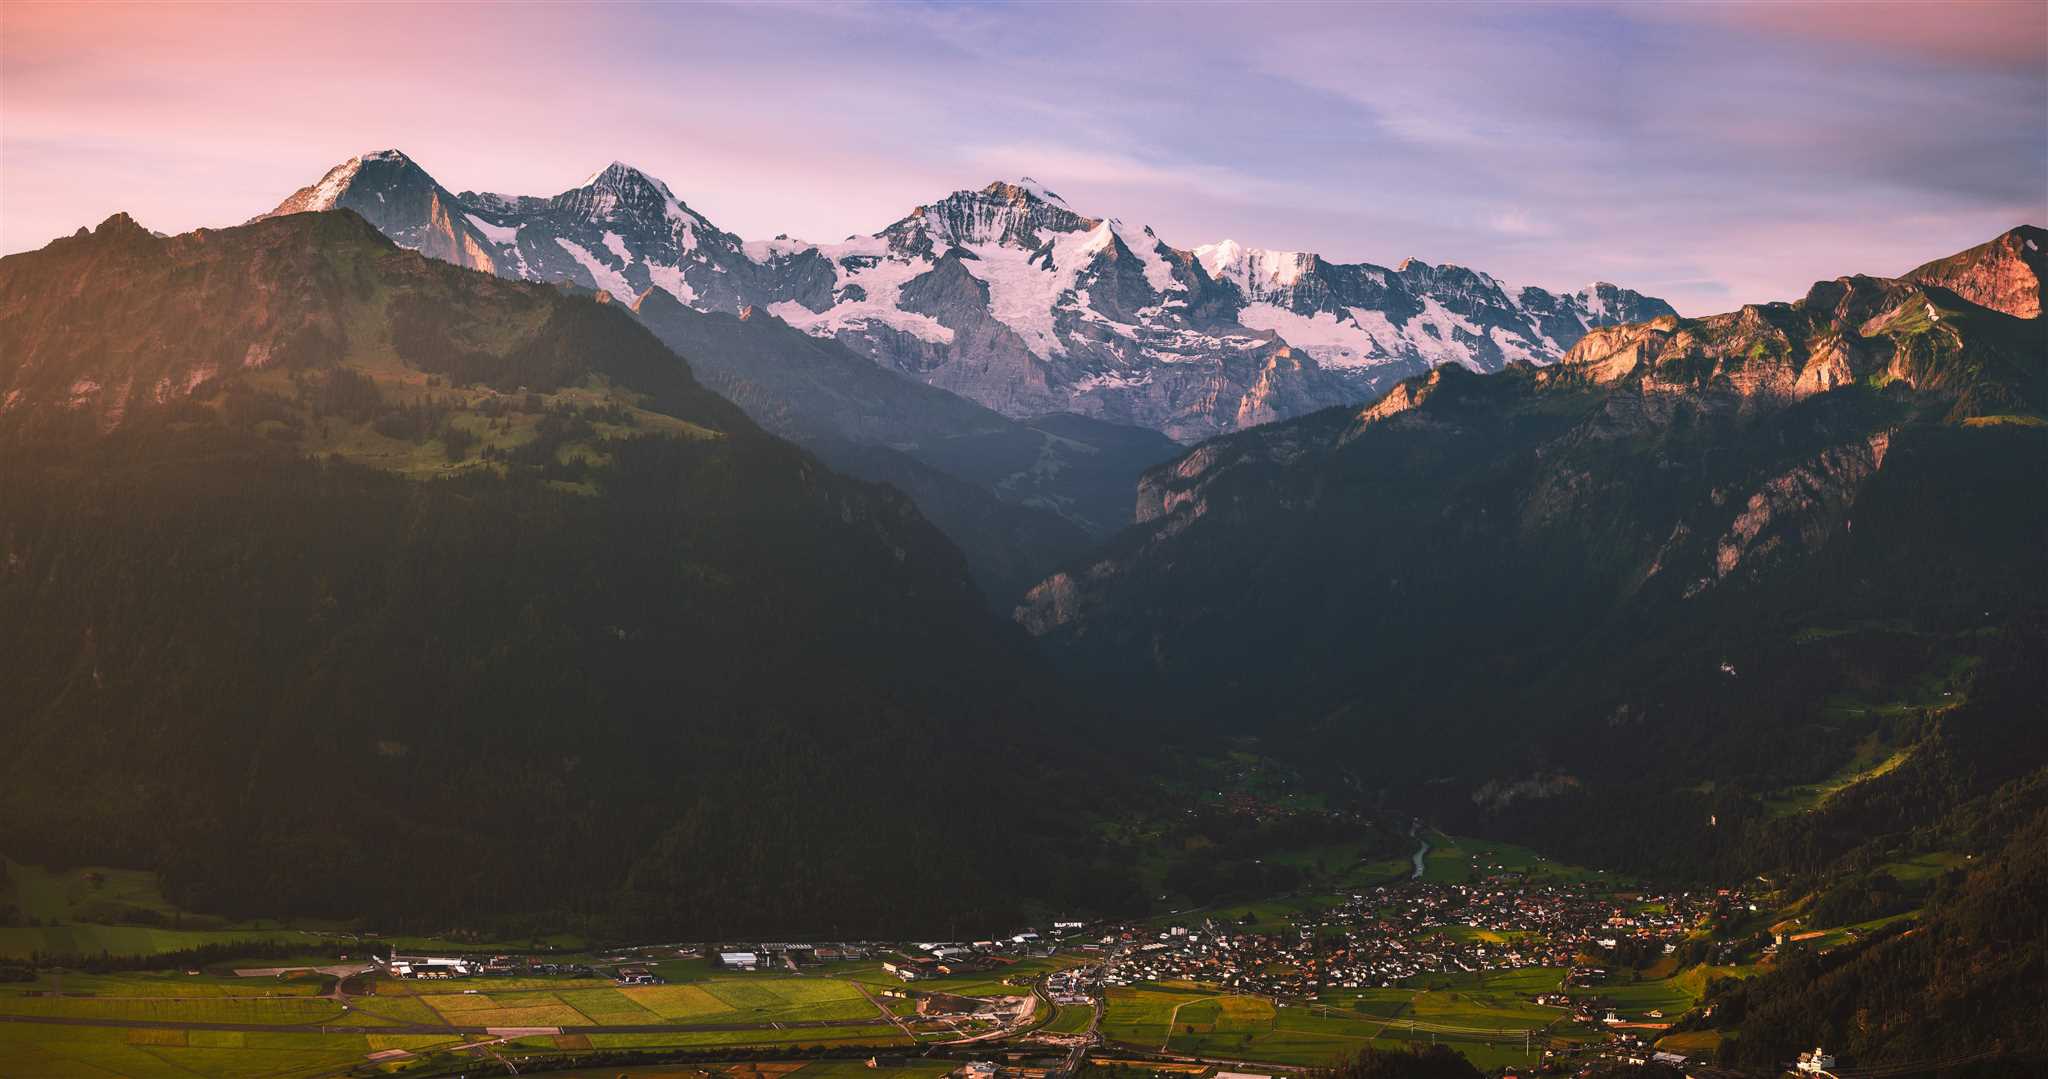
column 1710, row 155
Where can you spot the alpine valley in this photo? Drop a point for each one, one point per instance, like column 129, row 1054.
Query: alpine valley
column 1003, row 637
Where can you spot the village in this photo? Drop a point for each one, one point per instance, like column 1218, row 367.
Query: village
column 1392, row 933
column 1577, row 940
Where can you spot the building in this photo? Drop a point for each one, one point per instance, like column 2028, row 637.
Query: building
column 1816, row 1061
column 428, row 966
column 740, row 960
column 910, row 970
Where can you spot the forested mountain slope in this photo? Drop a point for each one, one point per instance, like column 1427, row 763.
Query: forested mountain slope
column 1622, row 604
column 338, row 580
column 1018, row 496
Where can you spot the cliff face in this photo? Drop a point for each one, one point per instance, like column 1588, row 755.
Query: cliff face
column 2006, row 274
column 1965, row 327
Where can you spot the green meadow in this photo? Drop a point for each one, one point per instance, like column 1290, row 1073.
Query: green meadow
column 1457, row 859
column 1195, row 1021
column 1071, row 1019
column 93, row 910
column 38, row 1051
column 740, row 998
column 164, row 984
column 280, row 1011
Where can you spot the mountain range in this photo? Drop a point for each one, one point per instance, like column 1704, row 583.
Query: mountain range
column 1613, row 605
column 1009, row 297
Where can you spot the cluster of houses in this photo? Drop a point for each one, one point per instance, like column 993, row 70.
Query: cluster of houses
column 1396, row 932
column 1070, row 986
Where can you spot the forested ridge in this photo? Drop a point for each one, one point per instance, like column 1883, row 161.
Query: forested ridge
column 439, row 599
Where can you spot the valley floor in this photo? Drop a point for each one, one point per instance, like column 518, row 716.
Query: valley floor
column 1513, row 960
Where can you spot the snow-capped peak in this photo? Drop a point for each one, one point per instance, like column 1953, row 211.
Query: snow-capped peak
column 618, row 174
column 327, row 193
column 1041, row 192
column 621, row 188
column 1215, row 257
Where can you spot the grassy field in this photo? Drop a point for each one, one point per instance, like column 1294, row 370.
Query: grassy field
column 1072, row 1019
column 84, row 894
column 1872, row 759
column 1525, row 982
column 22, row 942
column 876, row 1034
column 1842, row 934
column 1456, row 859
column 93, row 909
column 407, row 987
column 34, row 1051
column 164, row 984
column 59, row 1052
column 990, row 983
column 1467, row 934
column 1267, row 915
column 771, row 1069
column 1673, row 996
column 1338, row 866
column 389, row 1011
column 1692, row 1042
column 279, row 1011
column 1923, row 868
column 1194, row 1021
column 1138, row 1015
column 738, row 998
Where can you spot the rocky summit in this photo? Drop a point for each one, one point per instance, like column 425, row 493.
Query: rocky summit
column 1010, row 297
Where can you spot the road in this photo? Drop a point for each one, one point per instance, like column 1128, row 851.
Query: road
column 891, row 1016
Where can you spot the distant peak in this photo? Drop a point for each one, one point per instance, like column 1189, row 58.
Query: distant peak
column 1029, row 187
column 619, row 174
column 385, row 155
column 120, row 224
column 620, row 190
